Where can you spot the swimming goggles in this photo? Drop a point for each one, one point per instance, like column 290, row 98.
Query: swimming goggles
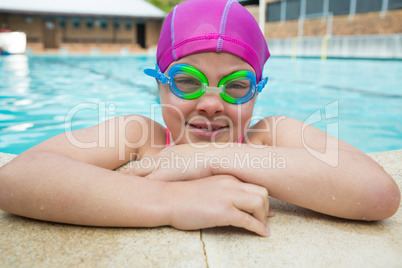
column 187, row 82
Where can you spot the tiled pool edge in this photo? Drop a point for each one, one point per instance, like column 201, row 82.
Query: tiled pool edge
column 299, row 238
column 5, row 158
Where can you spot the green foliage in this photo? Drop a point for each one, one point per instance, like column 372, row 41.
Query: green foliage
column 166, row 5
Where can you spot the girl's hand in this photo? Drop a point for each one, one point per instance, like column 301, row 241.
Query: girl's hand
column 219, row 200
column 176, row 163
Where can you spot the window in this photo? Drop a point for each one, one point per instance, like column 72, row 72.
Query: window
column 104, row 24
column 89, row 23
column 363, row 6
column 339, row 7
column 274, row 11
column 292, row 9
column 394, row 4
column 129, row 25
column 76, row 23
column 62, row 22
column 314, row 7
column 29, row 20
column 116, row 24
column 49, row 25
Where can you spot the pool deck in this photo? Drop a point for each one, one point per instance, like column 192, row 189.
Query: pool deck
column 299, row 238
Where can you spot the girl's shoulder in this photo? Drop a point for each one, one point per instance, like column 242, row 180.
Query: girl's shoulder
column 274, row 130
column 142, row 133
column 283, row 131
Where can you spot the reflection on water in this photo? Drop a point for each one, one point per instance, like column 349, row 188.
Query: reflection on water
column 14, row 88
column 19, row 127
column 16, row 69
column 17, row 64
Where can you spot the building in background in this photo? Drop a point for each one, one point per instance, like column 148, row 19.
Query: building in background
column 333, row 28
column 349, row 17
column 84, row 26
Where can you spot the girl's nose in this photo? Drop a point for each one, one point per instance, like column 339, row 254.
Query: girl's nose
column 210, row 104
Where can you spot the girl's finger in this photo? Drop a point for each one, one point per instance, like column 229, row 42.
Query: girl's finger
column 252, row 205
column 260, row 191
column 247, row 221
column 271, row 213
column 143, row 167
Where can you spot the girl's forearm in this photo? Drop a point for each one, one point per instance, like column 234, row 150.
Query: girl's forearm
column 69, row 191
column 339, row 183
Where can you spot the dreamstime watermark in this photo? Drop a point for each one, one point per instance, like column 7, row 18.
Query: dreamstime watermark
column 134, row 131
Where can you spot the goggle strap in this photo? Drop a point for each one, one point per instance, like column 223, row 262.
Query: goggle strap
column 262, row 84
column 156, row 73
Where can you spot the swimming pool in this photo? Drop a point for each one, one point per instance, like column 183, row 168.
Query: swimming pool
column 360, row 101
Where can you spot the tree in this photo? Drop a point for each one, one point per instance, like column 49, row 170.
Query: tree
column 166, row 5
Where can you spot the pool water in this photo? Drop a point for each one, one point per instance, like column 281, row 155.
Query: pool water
column 359, row 101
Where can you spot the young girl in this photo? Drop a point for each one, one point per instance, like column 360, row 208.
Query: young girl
column 209, row 167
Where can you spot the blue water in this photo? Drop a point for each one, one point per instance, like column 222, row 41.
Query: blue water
column 359, row 101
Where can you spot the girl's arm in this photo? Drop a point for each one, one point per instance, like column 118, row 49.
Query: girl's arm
column 356, row 188
column 68, row 178
column 58, row 181
column 313, row 169
column 298, row 164
column 54, row 187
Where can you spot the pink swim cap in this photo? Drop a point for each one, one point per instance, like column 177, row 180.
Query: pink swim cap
column 212, row 25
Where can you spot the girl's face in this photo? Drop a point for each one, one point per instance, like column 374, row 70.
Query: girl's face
column 208, row 118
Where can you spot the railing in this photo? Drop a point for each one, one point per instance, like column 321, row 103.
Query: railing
column 356, row 46
column 294, row 9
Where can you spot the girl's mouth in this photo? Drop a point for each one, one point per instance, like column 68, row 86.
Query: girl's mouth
column 206, row 130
